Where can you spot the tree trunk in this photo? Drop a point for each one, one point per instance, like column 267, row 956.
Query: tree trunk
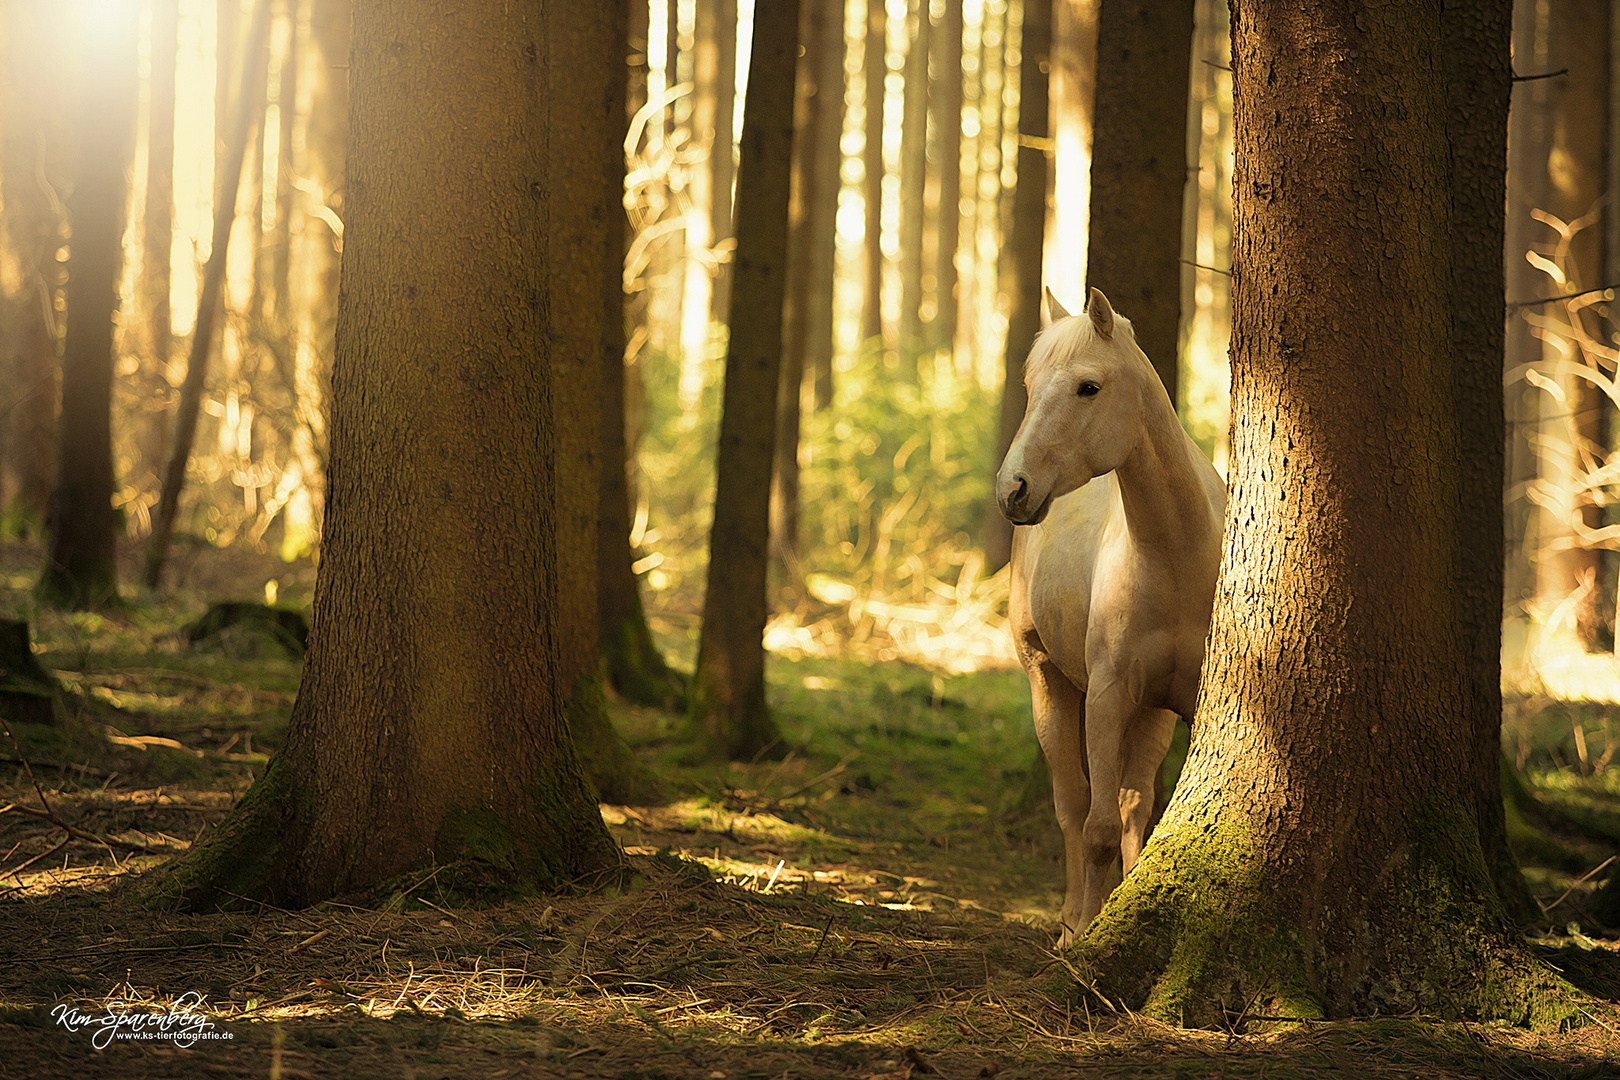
column 1321, row 854
column 722, row 163
column 728, row 712
column 634, row 666
column 431, row 726
column 210, row 298
column 281, row 240
column 1139, row 170
column 587, row 47
column 1477, row 36
column 81, row 569
column 806, row 222
column 1575, row 419
column 829, row 161
column 947, row 104
column 36, row 125
column 875, row 66
column 1027, row 249
column 157, row 237
column 913, row 169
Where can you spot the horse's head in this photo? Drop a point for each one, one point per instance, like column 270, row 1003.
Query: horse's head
column 1086, row 380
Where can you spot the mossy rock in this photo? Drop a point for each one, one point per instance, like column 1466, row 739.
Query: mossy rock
column 28, row 693
column 243, row 629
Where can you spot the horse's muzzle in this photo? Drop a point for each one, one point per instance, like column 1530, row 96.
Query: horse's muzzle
column 1014, row 498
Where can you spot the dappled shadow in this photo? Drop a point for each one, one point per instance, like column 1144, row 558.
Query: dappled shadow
column 678, row 977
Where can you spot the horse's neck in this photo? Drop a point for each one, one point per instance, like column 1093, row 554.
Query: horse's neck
column 1159, row 485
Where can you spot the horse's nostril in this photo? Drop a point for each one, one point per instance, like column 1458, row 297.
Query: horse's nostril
column 1023, row 488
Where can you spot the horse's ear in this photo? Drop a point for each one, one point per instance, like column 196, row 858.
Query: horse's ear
column 1053, row 310
column 1102, row 316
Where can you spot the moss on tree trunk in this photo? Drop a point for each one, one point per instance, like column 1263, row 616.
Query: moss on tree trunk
column 431, row 728
column 1322, row 855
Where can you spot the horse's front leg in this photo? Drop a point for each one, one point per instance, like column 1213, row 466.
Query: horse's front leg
column 1060, row 726
column 1108, row 710
column 1147, row 740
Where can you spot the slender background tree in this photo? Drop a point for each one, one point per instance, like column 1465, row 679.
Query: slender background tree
column 728, row 710
column 81, row 569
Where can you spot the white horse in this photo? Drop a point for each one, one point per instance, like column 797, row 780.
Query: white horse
column 1113, row 577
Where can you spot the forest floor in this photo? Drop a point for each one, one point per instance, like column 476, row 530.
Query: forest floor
column 880, row 905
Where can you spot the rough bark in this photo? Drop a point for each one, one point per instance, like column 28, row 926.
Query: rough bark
column 1578, row 418
column 1027, row 250
column 36, row 152
column 1139, row 169
column 431, row 726
column 80, row 568
column 157, row 235
column 913, row 169
column 875, row 66
column 1477, row 35
column 728, row 712
column 210, row 298
column 585, row 100
column 1321, row 855
column 947, row 106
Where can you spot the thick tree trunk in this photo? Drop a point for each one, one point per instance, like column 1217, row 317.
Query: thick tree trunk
column 81, row 569
column 875, row 68
column 36, row 129
column 1577, row 417
column 587, row 46
column 431, row 726
column 1321, row 854
column 728, row 712
column 1139, row 170
column 947, row 105
column 157, row 235
column 1477, row 35
column 1027, row 248
column 913, row 169
column 210, row 299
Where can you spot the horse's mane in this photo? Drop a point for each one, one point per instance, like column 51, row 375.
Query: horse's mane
column 1063, row 338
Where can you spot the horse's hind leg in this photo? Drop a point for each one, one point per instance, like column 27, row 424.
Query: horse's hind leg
column 1147, row 740
column 1059, row 725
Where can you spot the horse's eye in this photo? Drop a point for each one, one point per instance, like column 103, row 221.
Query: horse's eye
column 1089, row 389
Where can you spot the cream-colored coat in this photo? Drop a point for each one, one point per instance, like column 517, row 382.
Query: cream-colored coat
column 1113, row 576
